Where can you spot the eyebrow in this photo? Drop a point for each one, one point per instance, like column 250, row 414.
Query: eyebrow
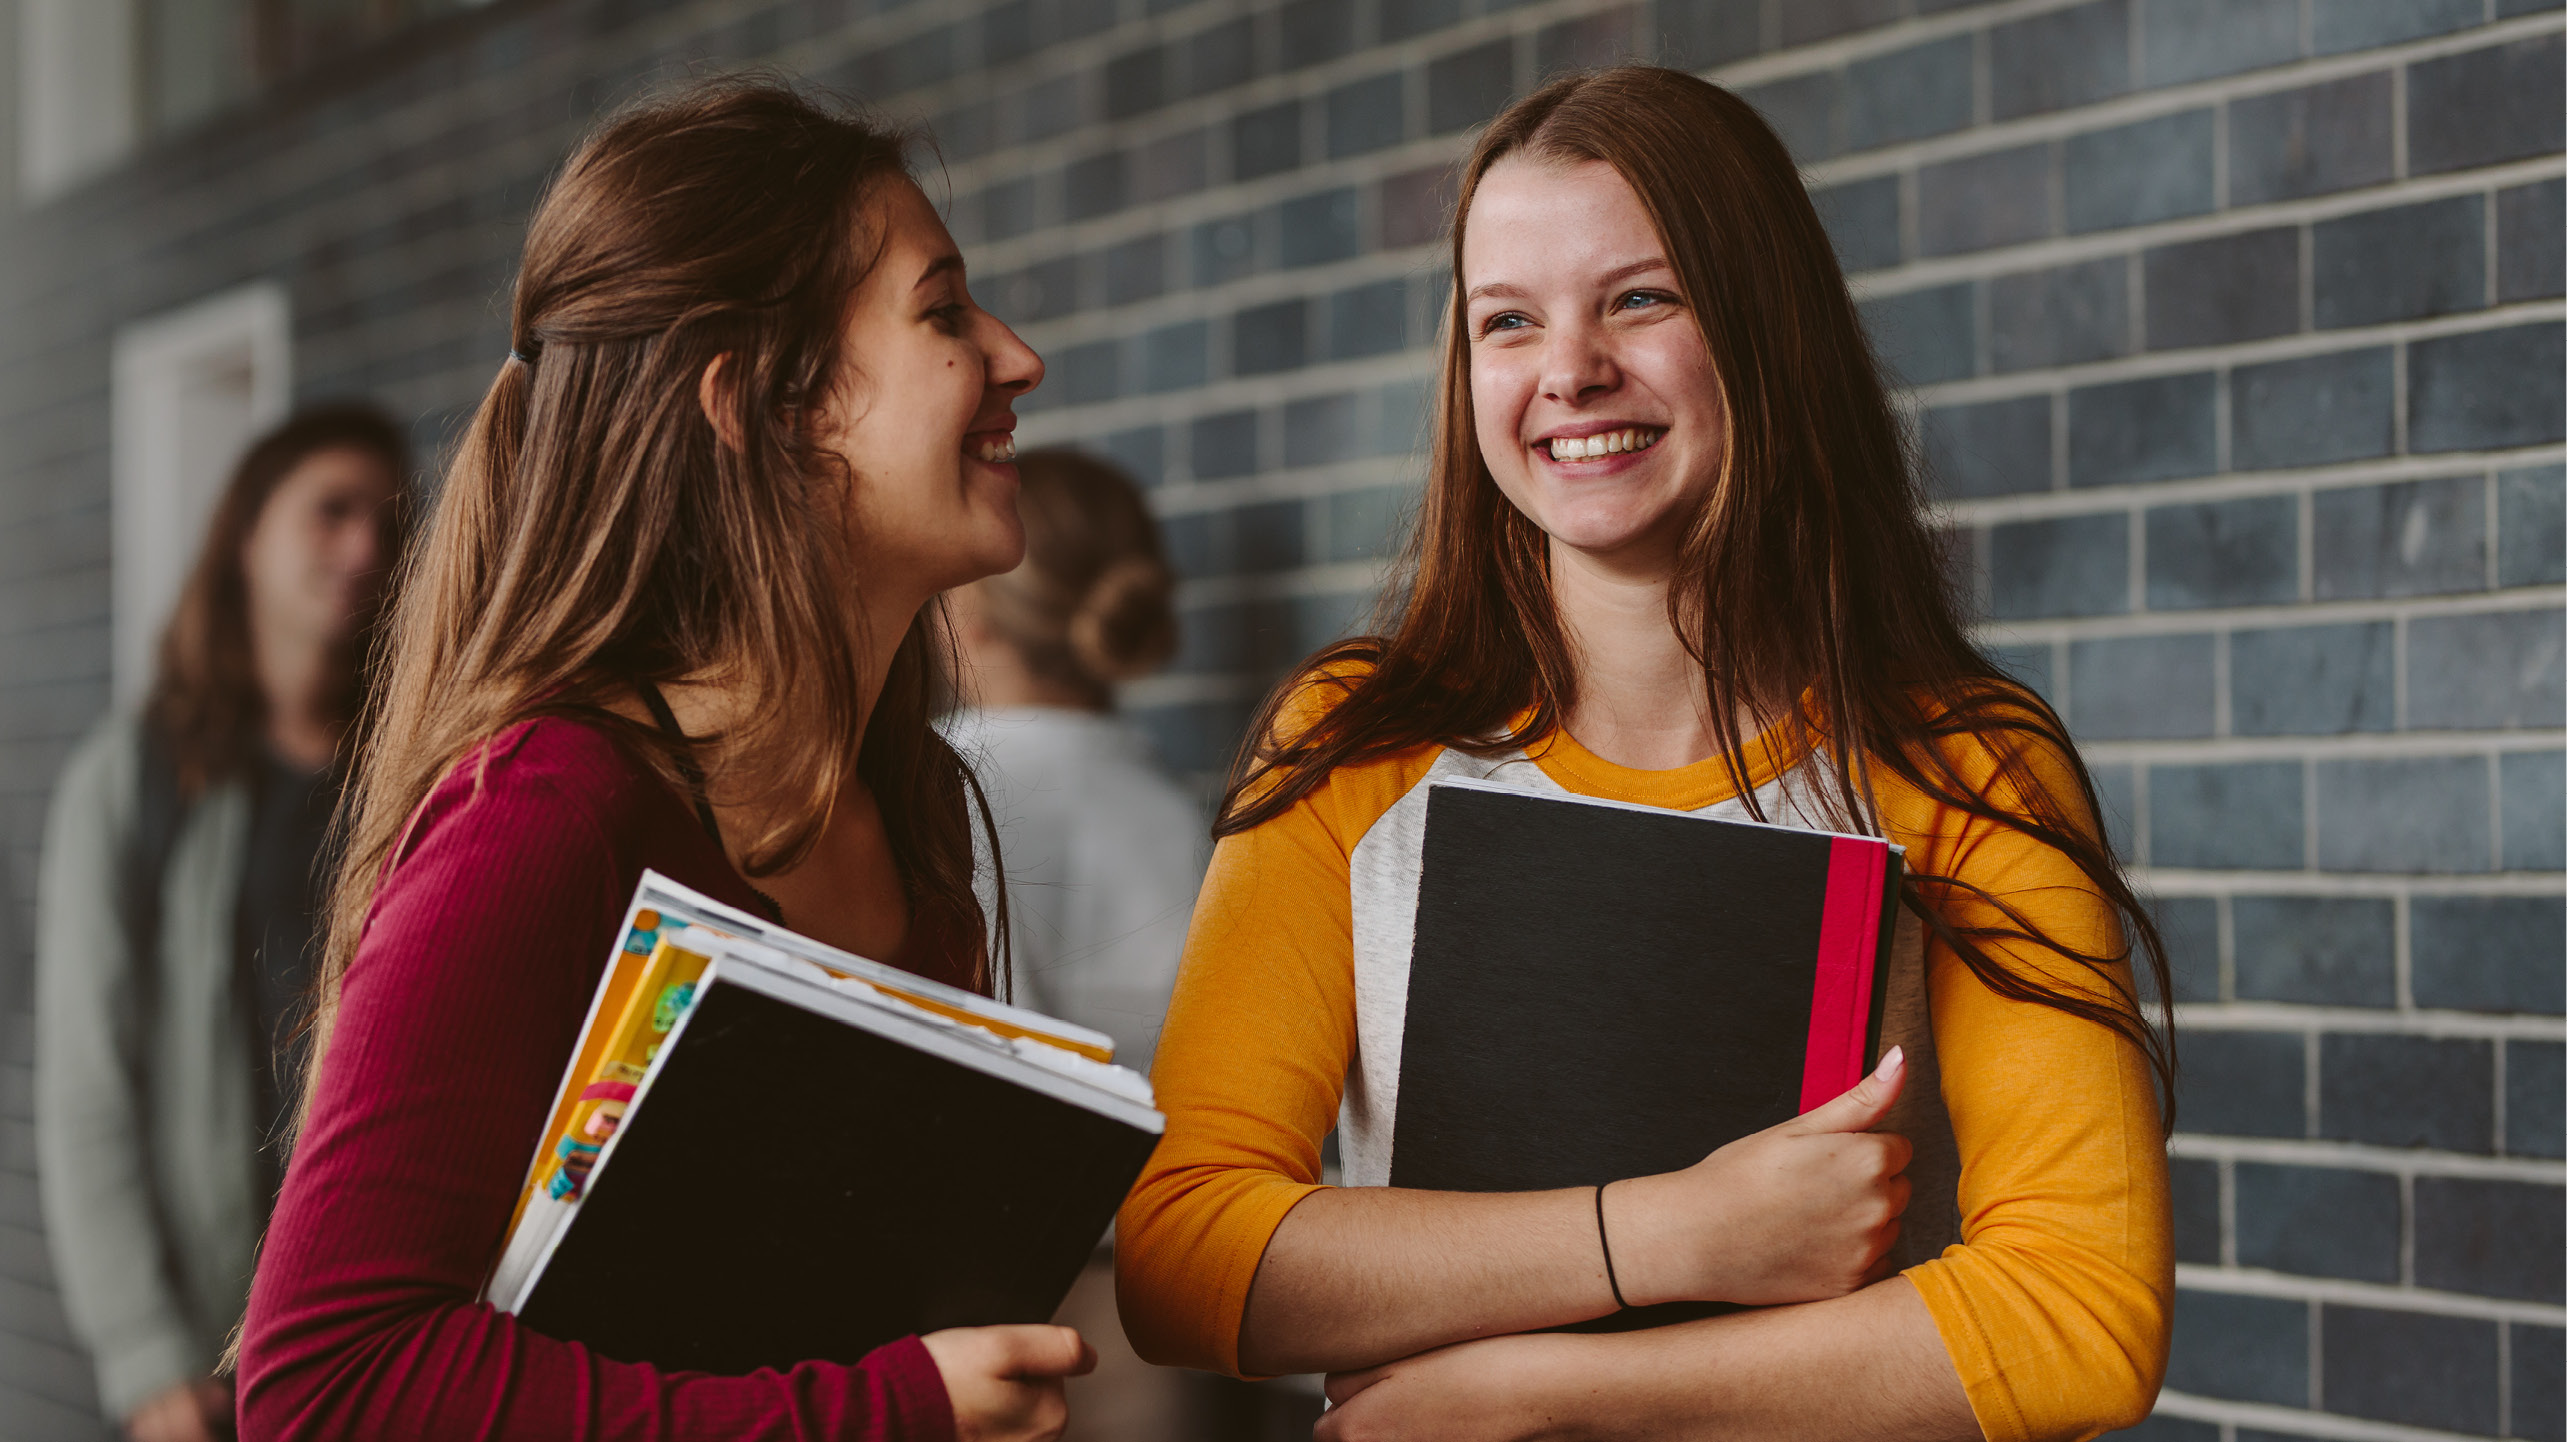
column 950, row 261
column 1618, row 273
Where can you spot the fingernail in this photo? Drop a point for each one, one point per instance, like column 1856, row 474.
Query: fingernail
column 1890, row 1063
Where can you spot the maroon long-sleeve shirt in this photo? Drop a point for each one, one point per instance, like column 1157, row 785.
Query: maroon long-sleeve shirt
column 486, row 939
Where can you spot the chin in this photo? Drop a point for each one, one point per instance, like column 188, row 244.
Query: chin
column 1603, row 530
column 999, row 547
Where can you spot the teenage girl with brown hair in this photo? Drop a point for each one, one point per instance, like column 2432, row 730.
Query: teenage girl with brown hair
column 676, row 610
column 1671, row 552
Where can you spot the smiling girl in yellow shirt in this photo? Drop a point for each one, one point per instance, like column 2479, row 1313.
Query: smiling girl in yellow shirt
column 1672, row 552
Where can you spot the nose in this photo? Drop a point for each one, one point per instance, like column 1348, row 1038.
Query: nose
column 1577, row 365
column 1013, row 366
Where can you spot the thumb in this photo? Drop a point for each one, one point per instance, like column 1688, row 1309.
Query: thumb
column 1864, row 1104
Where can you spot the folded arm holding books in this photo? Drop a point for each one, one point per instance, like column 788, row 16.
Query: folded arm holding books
column 1359, row 1276
column 1404, row 1296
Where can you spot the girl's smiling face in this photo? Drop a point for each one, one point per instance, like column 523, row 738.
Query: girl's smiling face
column 925, row 415
column 1594, row 396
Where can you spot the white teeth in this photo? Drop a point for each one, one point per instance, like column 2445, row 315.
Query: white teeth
column 1578, row 448
column 1001, row 449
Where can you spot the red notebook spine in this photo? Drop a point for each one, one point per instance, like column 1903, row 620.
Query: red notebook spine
column 1840, row 1004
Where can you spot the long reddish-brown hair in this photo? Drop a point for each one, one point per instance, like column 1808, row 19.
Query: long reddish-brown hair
column 594, row 532
column 1809, row 585
column 206, row 708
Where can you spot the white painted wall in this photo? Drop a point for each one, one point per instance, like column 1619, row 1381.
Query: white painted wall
column 76, row 101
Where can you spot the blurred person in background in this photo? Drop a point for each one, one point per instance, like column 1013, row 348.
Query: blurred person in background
column 176, row 910
column 1104, row 848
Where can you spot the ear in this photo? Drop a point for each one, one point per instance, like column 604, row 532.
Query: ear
column 713, row 393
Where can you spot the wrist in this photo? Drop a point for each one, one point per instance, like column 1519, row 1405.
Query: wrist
column 1653, row 1237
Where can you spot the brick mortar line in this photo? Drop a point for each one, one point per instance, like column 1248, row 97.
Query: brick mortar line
column 1928, row 271
column 2234, row 485
column 2355, row 746
column 2208, row 620
column 2139, row 105
column 2295, row 346
column 2255, row 1282
column 2369, row 1021
column 2354, row 1156
column 2166, row 882
column 2296, row 1422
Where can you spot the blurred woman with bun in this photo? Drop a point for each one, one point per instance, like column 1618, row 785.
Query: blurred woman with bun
column 1104, row 849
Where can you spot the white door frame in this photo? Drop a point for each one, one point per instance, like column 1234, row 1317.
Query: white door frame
column 165, row 479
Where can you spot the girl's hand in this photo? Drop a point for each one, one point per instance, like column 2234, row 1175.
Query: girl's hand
column 1796, row 1213
column 1006, row 1382
column 1499, row 1389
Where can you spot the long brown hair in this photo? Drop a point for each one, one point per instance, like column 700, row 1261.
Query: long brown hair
column 1808, row 586
column 595, row 533
column 206, row 708
column 1093, row 603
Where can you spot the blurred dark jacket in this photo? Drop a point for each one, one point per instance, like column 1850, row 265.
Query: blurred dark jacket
column 147, row 1127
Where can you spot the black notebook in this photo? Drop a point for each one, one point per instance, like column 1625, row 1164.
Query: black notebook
column 809, row 1166
column 1599, row 991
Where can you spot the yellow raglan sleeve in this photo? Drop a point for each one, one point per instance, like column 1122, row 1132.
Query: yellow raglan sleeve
column 1250, row 1067
column 2055, row 1305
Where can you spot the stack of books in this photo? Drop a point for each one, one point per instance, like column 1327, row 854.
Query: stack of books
column 766, row 1151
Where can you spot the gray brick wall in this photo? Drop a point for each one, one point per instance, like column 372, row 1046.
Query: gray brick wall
column 2234, row 333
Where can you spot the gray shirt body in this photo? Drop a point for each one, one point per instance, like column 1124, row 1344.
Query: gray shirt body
column 147, row 1109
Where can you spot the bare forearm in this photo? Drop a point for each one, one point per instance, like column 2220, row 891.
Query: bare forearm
column 1869, row 1367
column 1358, row 1276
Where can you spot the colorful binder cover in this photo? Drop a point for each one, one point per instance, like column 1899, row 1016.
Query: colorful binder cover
column 1599, row 991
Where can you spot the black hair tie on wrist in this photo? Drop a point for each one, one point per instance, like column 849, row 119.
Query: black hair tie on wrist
column 1610, row 1279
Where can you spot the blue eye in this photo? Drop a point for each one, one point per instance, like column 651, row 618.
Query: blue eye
column 1504, row 320
column 1639, row 298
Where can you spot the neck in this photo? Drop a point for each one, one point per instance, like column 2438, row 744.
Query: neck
column 1640, row 694
column 715, row 703
column 299, row 677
